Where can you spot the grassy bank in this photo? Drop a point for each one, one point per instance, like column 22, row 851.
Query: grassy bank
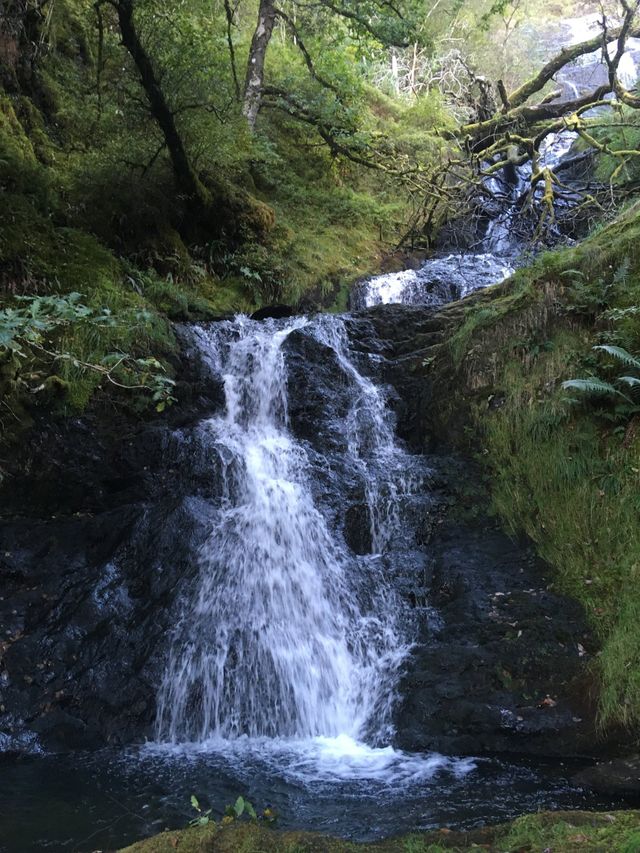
column 565, row 466
column 564, row 833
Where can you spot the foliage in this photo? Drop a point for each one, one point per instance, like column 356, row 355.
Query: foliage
column 580, row 505
column 27, row 332
column 241, row 808
column 204, row 817
column 26, row 326
column 89, row 200
column 593, row 386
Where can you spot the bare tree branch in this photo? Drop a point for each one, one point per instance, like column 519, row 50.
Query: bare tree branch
column 232, row 52
column 305, row 53
column 562, row 59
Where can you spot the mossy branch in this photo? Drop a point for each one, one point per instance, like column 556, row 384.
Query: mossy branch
column 562, row 59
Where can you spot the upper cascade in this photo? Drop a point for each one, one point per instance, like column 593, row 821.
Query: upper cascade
column 450, row 276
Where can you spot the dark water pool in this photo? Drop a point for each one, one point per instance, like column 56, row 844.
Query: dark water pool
column 104, row 800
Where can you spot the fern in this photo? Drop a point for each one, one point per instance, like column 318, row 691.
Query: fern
column 633, row 381
column 592, row 386
column 621, row 275
column 621, row 354
column 617, row 314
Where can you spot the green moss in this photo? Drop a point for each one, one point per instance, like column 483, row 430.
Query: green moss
column 561, row 832
column 566, row 475
column 619, row 831
column 15, row 144
column 201, row 298
column 45, row 259
column 574, row 491
column 20, row 170
column 328, row 240
column 35, row 256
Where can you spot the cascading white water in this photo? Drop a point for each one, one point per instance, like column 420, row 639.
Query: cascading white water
column 276, row 639
column 438, row 281
column 384, row 466
column 455, row 275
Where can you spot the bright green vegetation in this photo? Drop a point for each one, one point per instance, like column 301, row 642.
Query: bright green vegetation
column 619, row 831
column 565, row 466
column 562, row 833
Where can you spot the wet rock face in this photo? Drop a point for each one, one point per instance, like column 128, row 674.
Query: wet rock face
column 85, row 609
column 99, row 529
column 101, row 534
column 317, row 393
column 398, row 339
column 501, row 662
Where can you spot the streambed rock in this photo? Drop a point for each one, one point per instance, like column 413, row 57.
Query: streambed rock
column 620, row 777
column 503, row 667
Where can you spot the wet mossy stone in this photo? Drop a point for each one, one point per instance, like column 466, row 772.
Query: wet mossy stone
column 569, row 832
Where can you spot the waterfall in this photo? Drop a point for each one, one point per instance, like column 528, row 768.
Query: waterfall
column 452, row 276
column 287, row 633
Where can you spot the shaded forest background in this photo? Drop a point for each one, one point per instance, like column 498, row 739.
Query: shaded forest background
column 143, row 179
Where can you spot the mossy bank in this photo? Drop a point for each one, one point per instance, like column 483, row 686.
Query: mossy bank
column 564, row 467
column 557, row 832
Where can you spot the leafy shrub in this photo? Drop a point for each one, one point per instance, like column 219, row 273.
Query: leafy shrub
column 29, row 335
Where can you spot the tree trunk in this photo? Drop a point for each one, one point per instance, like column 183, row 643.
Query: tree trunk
column 255, row 68
column 215, row 205
column 187, row 179
column 20, row 33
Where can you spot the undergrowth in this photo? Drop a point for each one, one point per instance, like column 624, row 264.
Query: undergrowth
column 89, row 206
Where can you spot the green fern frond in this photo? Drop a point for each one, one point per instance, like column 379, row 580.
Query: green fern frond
column 621, row 354
column 592, row 386
column 621, row 275
column 633, row 383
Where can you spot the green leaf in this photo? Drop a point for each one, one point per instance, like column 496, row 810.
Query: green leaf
column 591, row 386
column 629, row 380
column 195, row 804
column 250, row 811
column 239, row 806
column 621, row 354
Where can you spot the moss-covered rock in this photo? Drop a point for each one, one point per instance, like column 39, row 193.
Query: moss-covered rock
column 571, row 832
column 20, row 170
